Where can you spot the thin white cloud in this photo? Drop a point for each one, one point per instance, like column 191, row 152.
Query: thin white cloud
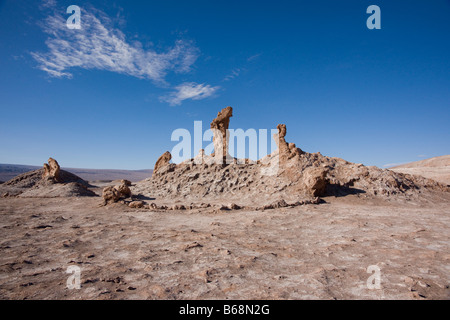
column 389, row 165
column 234, row 73
column 98, row 45
column 48, row 3
column 189, row 90
column 253, row 57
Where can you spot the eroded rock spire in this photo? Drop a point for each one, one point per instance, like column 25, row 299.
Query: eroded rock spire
column 220, row 127
column 52, row 170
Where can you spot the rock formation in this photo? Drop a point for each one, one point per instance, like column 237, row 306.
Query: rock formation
column 124, row 190
column 220, row 128
column 162, row 161
column 48, row 182
column 51, row 171
column 113, row 194
column 286, row 150
column 110, row 195
column 288, row 174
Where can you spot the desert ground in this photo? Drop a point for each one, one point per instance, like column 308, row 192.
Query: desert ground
column 306, row 252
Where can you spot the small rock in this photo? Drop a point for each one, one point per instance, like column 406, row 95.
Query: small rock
column 193, row 245
column 234, row 206
column 136, row 204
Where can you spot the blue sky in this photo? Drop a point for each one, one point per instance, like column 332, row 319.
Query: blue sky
column 111, row 94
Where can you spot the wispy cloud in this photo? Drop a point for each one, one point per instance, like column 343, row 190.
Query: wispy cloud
column 234, row 73
column 254, row 57
column 389, row 165
column 189, row 90
column 48, row 3
column 99, row 45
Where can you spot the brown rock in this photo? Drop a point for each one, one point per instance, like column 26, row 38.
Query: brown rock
column 126, row 182
column 110, row 195
column 136, row 204
column 234, row 206
column 123, row 190
column 220, row 128
column 279, row 204
column 162, row 161
column 286, row 150
column 153, row 205
column 113, row 194
column 52, row 171
column 315, row 181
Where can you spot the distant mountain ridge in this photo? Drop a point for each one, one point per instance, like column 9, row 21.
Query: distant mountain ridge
column 441, row 161
column 9, row 171
column 437, row 168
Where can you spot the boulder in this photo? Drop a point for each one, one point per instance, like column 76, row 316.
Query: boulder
column 110, row 195
column 315, row 180
column 113, row 194
column 136, row 204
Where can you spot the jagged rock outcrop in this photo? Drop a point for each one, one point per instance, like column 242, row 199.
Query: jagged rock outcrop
column 220, row 127
column 162, row 161
column 52, row 171
column 286, row 150
column 288, row 174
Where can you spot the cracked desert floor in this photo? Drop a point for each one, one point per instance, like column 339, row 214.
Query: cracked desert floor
column 305, row 252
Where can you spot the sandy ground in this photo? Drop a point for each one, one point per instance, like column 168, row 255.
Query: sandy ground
column 307, row 252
